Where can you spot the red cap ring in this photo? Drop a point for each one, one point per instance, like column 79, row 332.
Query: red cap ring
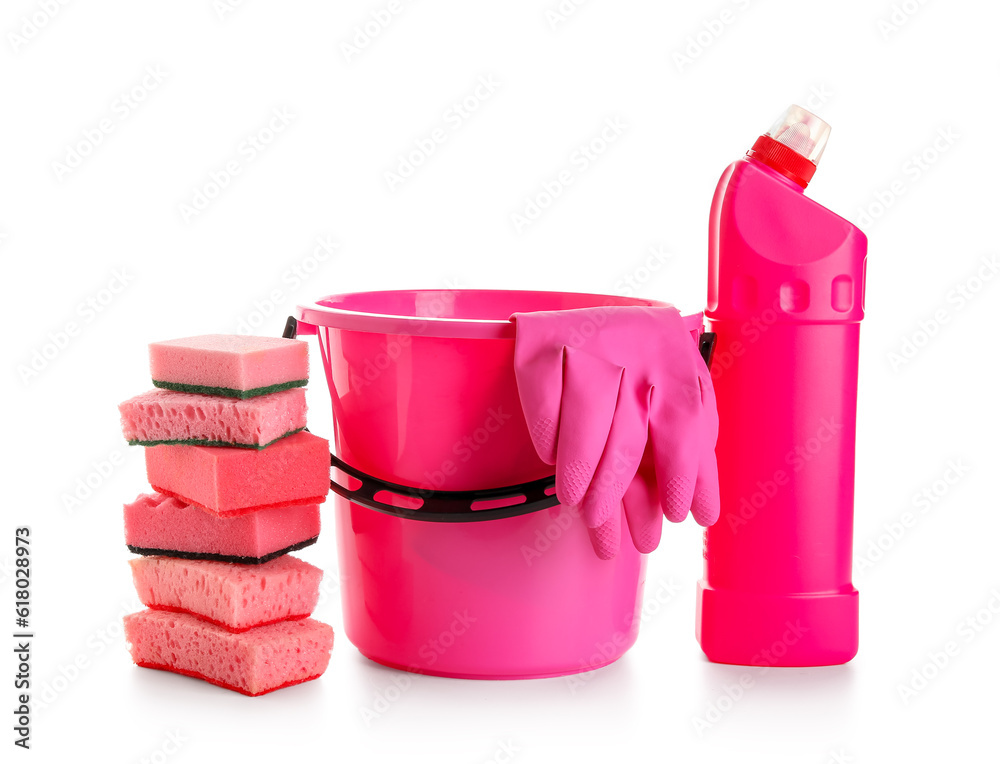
column 778, row 156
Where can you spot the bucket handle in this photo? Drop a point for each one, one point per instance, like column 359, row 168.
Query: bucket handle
column 445, row 506
column 433, row 505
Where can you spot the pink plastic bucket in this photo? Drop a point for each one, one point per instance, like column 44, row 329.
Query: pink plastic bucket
column 424, row 396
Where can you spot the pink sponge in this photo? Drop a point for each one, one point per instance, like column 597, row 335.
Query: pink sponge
column 156, row 524
column 253, row 662
column 236, row 597
column 229, row 364
column 165, row 416
column 233, row 481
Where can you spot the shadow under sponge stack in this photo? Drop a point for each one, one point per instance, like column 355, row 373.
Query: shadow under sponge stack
column 238, row 487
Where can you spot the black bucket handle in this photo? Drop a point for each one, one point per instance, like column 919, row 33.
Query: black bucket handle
column 446, row 506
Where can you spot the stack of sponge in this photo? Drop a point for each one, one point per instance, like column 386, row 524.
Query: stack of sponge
column 238, row 485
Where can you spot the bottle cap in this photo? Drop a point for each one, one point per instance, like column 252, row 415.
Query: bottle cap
column 794, row 144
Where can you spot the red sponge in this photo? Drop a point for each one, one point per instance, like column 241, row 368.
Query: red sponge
column 253, row 663
column 233, row 481
column 236, row 597
column 157, row 524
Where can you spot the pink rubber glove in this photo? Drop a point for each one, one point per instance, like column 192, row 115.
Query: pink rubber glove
column 612, row 394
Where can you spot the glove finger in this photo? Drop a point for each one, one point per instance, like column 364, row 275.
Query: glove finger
column 622, row 454
column 590, row 394
column 538, row 368
column 705, row 506
column 642, row 507
column 675, row 453
column 606, row 538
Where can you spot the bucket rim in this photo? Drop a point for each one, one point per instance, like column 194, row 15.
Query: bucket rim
column 329, row 316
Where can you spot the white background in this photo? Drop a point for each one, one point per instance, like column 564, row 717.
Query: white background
column 911, row 95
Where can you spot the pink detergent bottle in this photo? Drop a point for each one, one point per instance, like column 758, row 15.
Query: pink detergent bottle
column 785, row 300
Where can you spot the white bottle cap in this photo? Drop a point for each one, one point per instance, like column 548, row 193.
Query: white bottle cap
column 802, row 131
